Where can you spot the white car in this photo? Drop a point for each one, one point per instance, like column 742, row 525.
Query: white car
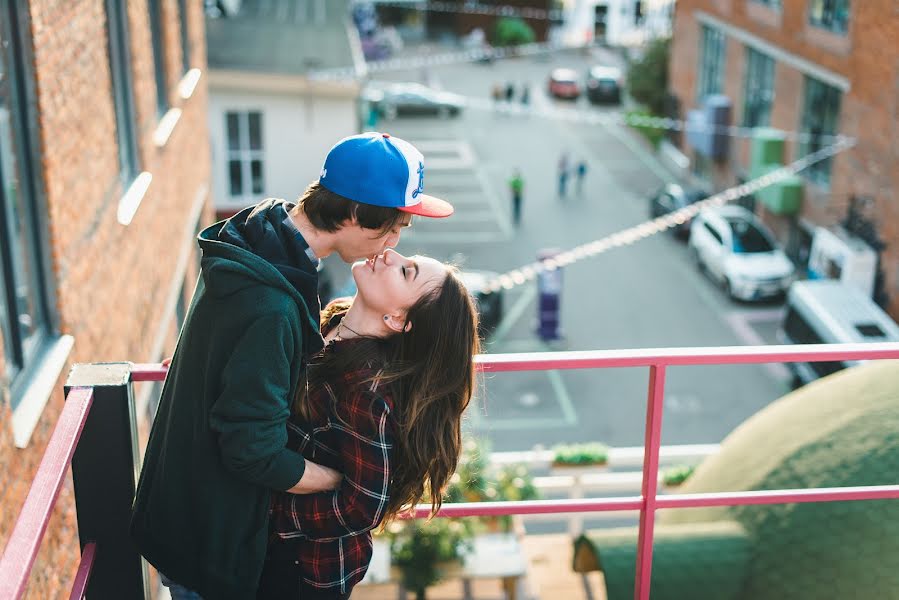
column 738, row 251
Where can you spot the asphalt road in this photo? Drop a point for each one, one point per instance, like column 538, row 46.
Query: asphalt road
column 641, row 296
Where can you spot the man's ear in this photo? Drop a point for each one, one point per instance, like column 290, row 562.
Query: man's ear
column 397, row 323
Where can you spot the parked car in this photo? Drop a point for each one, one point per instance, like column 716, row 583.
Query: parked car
column 738, row 251
column 489, row 305
column 674, row 197
column 563, row 83
column 406, row 99
column 604, row 85
column 829, row 311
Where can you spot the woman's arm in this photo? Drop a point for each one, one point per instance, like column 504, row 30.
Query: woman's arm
column 365, row 444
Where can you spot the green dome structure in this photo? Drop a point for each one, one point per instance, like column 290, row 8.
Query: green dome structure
column 840, row 431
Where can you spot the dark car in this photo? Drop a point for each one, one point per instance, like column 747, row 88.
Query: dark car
column 489, row 305
column 563, row 83
column 407, row 99
column 604, row 85
column 673, row 197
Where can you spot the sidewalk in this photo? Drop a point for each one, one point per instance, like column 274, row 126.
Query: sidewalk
column 549, row 577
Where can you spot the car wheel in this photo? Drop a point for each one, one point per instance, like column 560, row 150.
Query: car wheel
column 390, row 111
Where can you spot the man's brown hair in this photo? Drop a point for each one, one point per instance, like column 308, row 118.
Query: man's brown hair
column 328, row 211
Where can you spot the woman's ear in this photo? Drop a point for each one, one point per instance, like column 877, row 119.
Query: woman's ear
column 397, row 323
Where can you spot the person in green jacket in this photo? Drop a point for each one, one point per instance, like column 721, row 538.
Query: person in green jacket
column 217, row 450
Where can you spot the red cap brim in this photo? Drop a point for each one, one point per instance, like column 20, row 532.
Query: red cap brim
column 430, row 207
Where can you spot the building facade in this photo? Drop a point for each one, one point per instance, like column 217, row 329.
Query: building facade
column 271, row 123
column 817, row 67
column 104, row 161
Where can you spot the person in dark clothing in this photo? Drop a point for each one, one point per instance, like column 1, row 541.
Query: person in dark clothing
column 217, row 449
column 581, row 172
column 516, row 187
column 383, row 405
column 510, row 92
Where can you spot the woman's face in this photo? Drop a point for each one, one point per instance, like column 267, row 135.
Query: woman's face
column 391, row 283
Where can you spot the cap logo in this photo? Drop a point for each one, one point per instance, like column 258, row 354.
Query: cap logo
column 421, row 180
column 324, row 173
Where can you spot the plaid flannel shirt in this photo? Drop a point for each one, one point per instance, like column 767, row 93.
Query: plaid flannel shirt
column 330, row 533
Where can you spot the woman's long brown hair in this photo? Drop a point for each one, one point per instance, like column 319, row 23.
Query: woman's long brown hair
column 431, row 376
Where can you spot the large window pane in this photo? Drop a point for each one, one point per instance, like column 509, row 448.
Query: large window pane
column 233, row 126
column 255, row 130
column 186, row 47
column 235, row 177
column 820, row 117
column 245, row 153
column 120, row 72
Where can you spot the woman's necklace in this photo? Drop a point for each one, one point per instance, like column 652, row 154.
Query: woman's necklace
column 343, row 325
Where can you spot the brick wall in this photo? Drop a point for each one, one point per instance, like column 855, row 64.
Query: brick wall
column 868, row 57
column 112, row 281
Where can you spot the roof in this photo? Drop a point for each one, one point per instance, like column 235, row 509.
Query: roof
column 281, row 36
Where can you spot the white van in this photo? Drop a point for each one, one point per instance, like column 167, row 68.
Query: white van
column 828, row 311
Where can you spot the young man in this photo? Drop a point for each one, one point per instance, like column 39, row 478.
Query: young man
column 217, row 446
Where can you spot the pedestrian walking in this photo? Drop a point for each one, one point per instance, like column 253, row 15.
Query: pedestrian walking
column 581, row 171
column 525, row 94
column 516, row 187
column 563, row 174
column 510, row 91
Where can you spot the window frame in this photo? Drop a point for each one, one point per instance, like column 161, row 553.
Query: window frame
column 186, row 46
column 828, row 19
column 244, row 154
column 22, row 358
column 822, row 171
column 118, row 40
column 760, row 67
column 160, row 72
column 711, row 63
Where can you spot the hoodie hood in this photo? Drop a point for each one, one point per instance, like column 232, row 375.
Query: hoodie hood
column 255, row 247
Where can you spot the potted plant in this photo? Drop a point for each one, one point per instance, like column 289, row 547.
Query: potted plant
column 674, row 476
column 425, row 551
column 593, row 454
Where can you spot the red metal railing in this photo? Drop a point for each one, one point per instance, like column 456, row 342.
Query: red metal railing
column 21, row 550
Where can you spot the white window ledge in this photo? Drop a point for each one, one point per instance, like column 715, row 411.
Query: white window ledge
column 39, row 390
column 130, row 202
column 188, row 83
column 166, row 126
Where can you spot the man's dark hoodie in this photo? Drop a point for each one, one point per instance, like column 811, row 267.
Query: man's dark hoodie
column 217, row 447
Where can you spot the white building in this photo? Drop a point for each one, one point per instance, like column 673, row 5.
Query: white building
column 617, row 22
column 270, row 124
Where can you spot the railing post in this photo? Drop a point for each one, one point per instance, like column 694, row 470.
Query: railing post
column 651, row 442
column 104, row 471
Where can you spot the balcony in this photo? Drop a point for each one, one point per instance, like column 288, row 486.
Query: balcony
column 96, row 434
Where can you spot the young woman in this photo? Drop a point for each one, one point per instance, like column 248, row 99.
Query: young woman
column 382, row 404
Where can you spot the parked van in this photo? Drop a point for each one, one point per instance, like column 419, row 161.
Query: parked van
column 828, row 311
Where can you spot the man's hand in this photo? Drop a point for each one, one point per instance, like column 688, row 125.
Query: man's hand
column 316, row 478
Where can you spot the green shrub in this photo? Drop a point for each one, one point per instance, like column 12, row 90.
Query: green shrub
column 653, row 134
column 581, row 454
column 513, row 31
column 677, row 475
column 647, row 78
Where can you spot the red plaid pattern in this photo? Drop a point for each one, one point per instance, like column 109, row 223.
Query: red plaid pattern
column 352, row 432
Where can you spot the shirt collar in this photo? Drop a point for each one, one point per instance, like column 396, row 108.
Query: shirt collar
column 292, row 227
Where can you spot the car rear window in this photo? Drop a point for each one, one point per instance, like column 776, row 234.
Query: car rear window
column 748, row 238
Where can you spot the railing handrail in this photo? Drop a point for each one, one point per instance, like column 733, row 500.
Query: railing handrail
column 645, row 357
column 22, row 546
column 21, row 549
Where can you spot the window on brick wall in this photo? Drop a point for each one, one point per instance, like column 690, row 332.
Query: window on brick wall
column 758, row 89
column 186, row 47
column 162, row 92
column 820, row 118
column 775, row 4
column 120, row 72
column 832, row 15
column 24, row 307
column 245, row 153
column 711, row 62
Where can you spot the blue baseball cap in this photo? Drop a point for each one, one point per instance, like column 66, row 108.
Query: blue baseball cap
column 375, row 168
